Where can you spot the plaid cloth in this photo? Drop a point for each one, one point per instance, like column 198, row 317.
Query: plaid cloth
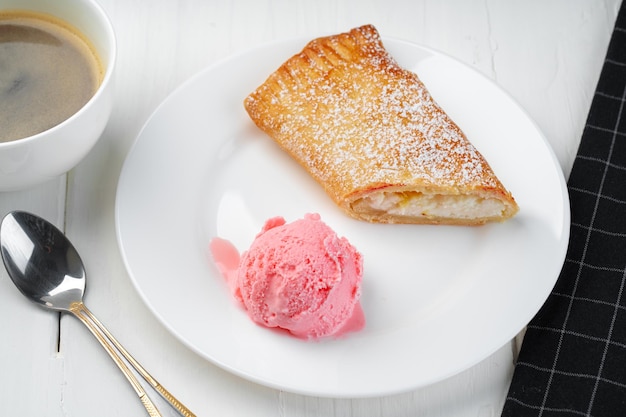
column 573, row 358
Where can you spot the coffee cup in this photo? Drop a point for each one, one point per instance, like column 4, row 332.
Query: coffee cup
column 34, row 149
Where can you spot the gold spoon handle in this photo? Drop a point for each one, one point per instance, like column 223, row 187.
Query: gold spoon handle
column 113, row 347
column 80, row 311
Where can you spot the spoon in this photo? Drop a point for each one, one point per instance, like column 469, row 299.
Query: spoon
column 46, row 268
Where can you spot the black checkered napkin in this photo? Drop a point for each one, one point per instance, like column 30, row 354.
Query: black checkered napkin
column 573, row 358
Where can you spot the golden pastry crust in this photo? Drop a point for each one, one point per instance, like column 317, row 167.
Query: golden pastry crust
column 370, row 133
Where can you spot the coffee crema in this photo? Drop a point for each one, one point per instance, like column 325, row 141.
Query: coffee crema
column 48, row 71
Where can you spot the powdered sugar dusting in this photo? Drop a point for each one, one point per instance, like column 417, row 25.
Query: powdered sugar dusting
column 345, row 109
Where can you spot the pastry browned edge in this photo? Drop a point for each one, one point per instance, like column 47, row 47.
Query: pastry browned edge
column 371, row 134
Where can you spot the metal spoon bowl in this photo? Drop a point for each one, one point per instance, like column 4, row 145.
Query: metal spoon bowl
column 44, row 265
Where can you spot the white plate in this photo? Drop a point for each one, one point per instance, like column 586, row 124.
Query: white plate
column 437, row 299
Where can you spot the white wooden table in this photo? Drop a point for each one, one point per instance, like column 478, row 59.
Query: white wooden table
column 546, row 54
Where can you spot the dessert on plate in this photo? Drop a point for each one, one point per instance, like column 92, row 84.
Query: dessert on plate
column 371, row 134
column 299, row 276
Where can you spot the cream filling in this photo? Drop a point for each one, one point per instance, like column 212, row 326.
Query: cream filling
column 416, row 204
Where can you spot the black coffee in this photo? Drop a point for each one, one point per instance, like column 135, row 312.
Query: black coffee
column 48, row 71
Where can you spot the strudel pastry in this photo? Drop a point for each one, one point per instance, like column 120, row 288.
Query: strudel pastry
column 371, row 134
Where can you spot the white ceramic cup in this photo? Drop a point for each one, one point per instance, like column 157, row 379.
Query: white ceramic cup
column 46, row 155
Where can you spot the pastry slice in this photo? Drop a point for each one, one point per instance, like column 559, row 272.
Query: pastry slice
column 371, row 134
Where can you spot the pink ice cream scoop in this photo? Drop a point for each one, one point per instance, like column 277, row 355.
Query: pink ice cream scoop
column 299, row 276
